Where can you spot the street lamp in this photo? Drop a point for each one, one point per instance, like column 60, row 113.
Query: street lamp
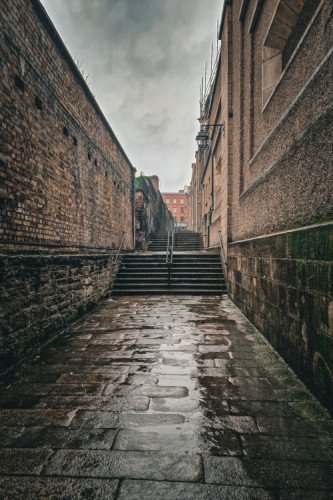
column 202, row 137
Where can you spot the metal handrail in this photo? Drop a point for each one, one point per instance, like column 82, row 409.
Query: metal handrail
column 120, row 247
column 169, row 256
column 222, row 251
column 171, row 249
column 168, row 246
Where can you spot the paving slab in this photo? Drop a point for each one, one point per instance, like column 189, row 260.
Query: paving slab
column 151, row 490
column 268, row 473
column 60, row 437
column 42, row 488
column 162, row 397
column 142, row 379
column 116, row 404
column 119, row 464
column 23, row 460
column 29, row 416
column 151, row 391
column 159, row 438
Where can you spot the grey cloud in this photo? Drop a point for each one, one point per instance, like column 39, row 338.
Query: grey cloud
column 145, row 59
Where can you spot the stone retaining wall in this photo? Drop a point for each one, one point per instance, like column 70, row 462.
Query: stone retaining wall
column 151, row 213
column 284, row 284
column 42, row 294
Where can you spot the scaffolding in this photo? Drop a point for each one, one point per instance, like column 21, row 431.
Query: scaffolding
column 207, row 87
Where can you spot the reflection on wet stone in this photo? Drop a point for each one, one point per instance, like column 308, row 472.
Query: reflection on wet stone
column 163, row 397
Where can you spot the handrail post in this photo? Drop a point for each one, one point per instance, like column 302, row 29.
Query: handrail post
column 120, row 247
column 222, row 253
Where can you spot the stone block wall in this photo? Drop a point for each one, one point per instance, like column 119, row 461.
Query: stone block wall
column 283, row 283
column 40, row 295
column 281, row 155
column 151, row 213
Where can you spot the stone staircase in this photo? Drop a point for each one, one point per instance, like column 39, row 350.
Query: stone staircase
column 183, row 241
column 158, row 242
column 191, row 273
column 188, row 241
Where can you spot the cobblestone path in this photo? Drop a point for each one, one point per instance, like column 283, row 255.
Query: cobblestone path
column 163, row 398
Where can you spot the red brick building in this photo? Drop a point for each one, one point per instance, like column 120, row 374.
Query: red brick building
column 177, row 203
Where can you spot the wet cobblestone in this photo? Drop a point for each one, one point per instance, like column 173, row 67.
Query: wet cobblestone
column 163, row 397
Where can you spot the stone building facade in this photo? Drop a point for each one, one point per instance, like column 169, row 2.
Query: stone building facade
column 276, row 177
column 67, row 186
column 151, row 214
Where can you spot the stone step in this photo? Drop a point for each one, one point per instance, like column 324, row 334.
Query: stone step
column 169, row 291
column 176, row 274
column 182, row 241
column 176, row 257
column 185, row 291
column 191, row 273
column 173, row 281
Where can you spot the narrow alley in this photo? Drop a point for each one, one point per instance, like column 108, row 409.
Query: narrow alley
column 162, row 397
column 166, row 301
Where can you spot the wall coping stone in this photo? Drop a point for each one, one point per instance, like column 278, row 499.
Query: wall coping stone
column 271, row 235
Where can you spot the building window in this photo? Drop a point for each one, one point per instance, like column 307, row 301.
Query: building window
column 182, row 219
column 175, row 219
column 285, row 32
column 175, row 201
column 181, row 210
column 303, row 20
column 174, row 210
column 167, row 201
column 182, row 201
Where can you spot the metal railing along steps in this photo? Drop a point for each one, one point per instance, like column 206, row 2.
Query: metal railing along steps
column 183, row 272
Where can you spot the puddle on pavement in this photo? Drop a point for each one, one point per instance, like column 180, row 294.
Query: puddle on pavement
column 208, row 417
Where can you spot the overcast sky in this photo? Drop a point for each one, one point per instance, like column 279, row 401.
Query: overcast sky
column 145, row 60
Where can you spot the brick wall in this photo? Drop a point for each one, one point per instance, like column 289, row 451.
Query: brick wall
column 66, row 180
column 284, row 284
column 42, row 294
column 66, row 185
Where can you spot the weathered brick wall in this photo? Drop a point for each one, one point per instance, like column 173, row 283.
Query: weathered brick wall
column 284, row 284
column 42, row 294
column 66, row 185
column 66, row 180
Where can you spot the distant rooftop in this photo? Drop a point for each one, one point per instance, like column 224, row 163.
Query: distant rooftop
column 181, row 191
